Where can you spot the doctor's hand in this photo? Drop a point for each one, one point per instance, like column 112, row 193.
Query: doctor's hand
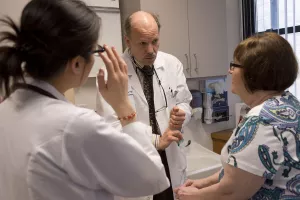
column 186, row 193
column 177, row 117
column 168, row 137
column 115, row 90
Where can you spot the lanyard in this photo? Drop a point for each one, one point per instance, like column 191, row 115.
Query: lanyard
column 34, row 89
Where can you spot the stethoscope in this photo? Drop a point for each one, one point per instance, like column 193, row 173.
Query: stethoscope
column 137, row 67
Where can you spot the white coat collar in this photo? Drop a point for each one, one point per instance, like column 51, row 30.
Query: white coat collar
column 47, row 87
column 134, row 81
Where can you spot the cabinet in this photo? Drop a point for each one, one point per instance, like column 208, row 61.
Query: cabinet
column 208, row 37
column 220, row 139
column 102, row 3
column 194, row 31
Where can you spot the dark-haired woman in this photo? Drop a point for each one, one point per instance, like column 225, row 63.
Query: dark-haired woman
column 49, row 148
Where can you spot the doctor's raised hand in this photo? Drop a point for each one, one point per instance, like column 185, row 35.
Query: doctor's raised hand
column 177, row 117
column 172, row 134
column 115, row 90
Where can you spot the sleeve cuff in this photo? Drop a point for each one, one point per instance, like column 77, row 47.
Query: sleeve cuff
column 155, row 140
column 134, row 130
column 246, row 167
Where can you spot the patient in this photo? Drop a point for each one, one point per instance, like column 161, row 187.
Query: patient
column 261, row 160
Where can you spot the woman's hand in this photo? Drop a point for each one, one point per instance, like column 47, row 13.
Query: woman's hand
column 115, row 90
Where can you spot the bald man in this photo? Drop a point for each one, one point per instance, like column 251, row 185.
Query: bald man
column 158, row 91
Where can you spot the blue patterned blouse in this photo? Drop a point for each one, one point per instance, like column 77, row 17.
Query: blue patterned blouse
column 267, row 143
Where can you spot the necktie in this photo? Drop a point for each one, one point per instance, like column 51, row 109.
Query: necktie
column 148, row 73
column 149, row 94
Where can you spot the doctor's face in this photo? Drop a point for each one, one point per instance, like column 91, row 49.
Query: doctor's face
column 143, row 44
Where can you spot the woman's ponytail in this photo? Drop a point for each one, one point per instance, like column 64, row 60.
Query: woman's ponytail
column 11, row 57
column 44, row 43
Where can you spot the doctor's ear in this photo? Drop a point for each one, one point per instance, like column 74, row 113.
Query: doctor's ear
column 77, row 65
column 127, row 40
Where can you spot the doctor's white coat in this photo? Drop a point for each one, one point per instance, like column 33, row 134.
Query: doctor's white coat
column 170, row 72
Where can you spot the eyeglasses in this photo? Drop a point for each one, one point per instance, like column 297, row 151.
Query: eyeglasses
column 233, row 65
column 99, row 49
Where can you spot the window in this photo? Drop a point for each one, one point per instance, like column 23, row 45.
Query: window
column 283, row 17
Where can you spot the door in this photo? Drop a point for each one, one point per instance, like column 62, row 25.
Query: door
column 208, row 37
column 174, row 28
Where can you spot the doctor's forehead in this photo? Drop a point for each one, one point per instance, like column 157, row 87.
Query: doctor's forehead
column 143, row 23
column 145, row 35
column 142, row 20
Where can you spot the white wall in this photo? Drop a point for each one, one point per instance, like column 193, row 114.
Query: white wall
column 86, row 95
column 12, row 8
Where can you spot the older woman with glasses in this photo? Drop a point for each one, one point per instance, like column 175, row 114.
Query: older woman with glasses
column 261, row 160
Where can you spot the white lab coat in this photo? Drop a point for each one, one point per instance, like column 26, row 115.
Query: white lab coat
column 170, row 72
column 51, row 149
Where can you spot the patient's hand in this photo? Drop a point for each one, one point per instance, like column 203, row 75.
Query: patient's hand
column 199, row 183
column 186, row 193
